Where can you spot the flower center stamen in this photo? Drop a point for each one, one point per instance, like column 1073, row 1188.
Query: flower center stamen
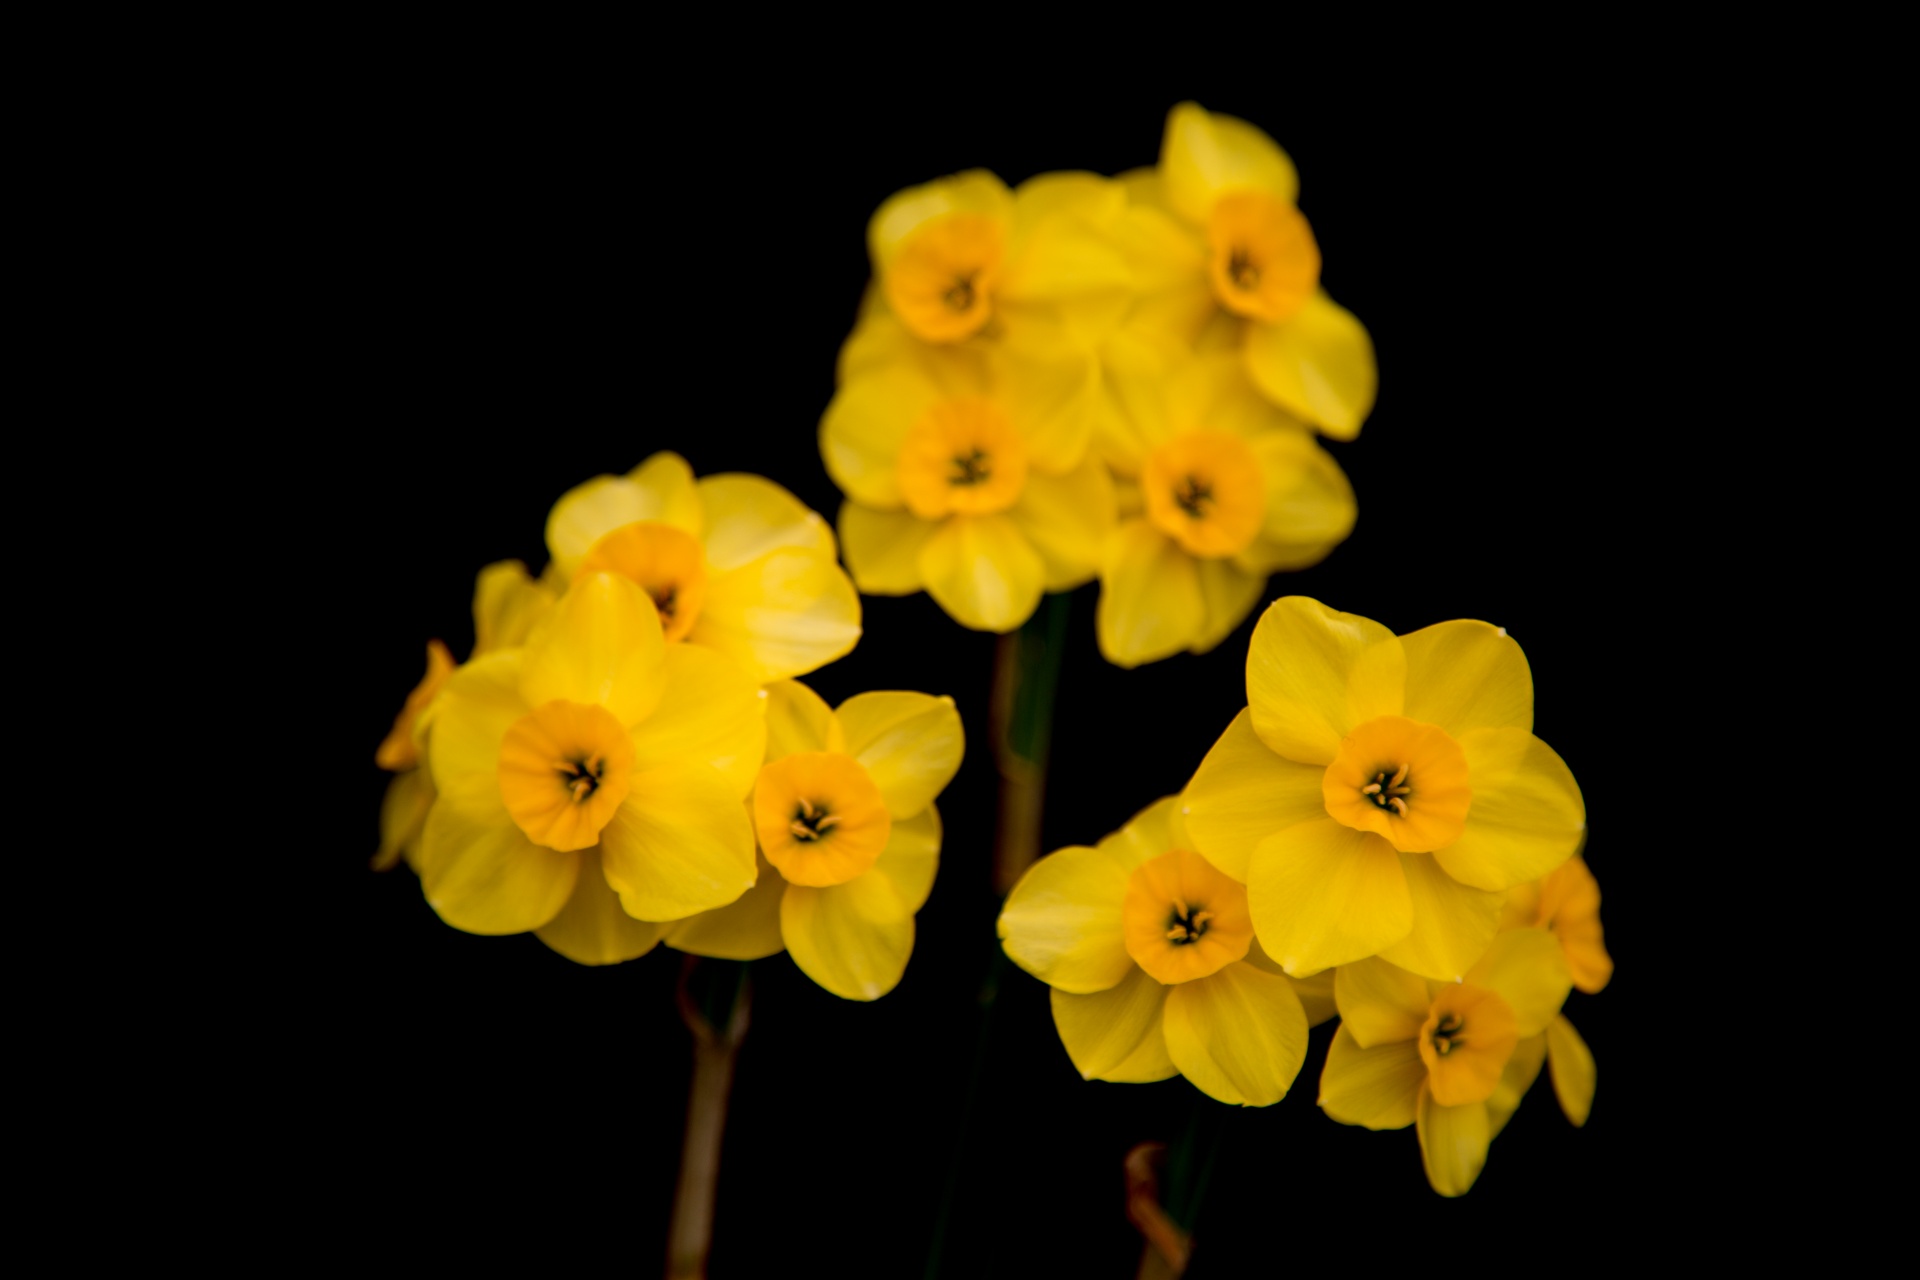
column 582, row 777
column 1449, row 1034
column 1240, row 269
column 1194, row 496
column 971, row 468
column 811, row 822
column 1390, row 793
column 959, row 295
column 1186, row 925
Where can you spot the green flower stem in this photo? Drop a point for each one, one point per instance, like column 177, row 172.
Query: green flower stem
column 1026, row 674
column 714, row 996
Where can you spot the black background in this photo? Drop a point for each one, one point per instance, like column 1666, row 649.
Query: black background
column 530, row 287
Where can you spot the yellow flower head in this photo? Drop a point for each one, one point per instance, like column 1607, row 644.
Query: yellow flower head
column 1155, row 972
column 1380, row 794
column 400, row 750
column 964, row 256
column 958, row 483
column 1567, row 903
column 732, row 563
column 849, row 838
column 1451, row 1058
column 1226, row 258
column 590, row 783
column 1220, row 489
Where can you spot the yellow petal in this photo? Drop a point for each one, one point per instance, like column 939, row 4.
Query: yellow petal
column 853, row 939
column 1380, row 1003
column 1323, row 894
column 1522, row 1069
column 1310, row 503
column 1314, row 673
column 480, row 873
column 1318, row 366
column 1452, row 922
column 1378, row 1088
column 1571, row 1064
column 1239, row 1035
column 1054, row 401
column 681, row 843
column 975, row 191
column 478, row 704
column 1527, row 815
column 1204, row 155
column 1468, row 675
column 1528, row 970
column 601, row 645
column 1150, row 603
column 1229, row 593
column 745, row 929
column 507, row 603
column 883, row 548
column 909, row 743
column 1109, row 1034
column 1063, row 922
column 781, row 615
column 983, row 572
column 1453, row 1143
column 1067, row 520
column 865, row 425
column 591, row 928
column 661, row 488
column 710, row 714
column 798, row 719
column 1243, row 793
column 403, row 816
column 1156, row 829
column 747, row 516
column 1073, row 270
column 912, row 857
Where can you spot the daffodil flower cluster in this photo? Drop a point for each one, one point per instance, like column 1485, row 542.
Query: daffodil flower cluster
column 1088, row 377
column 626, row 758
column 1379, row 834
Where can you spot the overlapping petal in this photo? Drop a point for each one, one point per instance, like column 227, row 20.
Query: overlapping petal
column 798, row 719
column 1310, row 504
column 478, row 704
column 1204, row 155
column 1109, row 1033
column 661, row 488
column 1453, row 1143
column 593, row 928
column 1242, row 793
column 983, row 571
column 1318, row 365
column 1228, row 593
column 1380, row 1003
column 1529, row 971
column 1313, row 673
column 1239, row 1035
column 480, row 872
column 1377, row 1088
column 746, row 516
column 1323, row 894
column 1150, row 602
column 747, row 928
column 781, row 614
column 883, row 548
column 1452, row 922
column 710, row 713
column 853, row 939
column 680, row 843
column 600, row 645
column 912, row 857
column 1527, row 815
column 1522, row 1069
column 1062, row 923
column 909, row 743
column 1066, row 520
column 1466, row 675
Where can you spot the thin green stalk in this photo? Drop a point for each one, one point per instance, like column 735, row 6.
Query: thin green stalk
column 1025, row 679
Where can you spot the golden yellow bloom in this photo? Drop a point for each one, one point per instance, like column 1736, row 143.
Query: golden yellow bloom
column 1438, row 1054
column 1567, row 902
column 1380, row 794
column 849, row 838
column 1219, row 490
column 1155, row 972
column 733, row 563
column 590, row 783
column 506, row 604
column 1229, row 262
column 963, row 256
column 957, row 483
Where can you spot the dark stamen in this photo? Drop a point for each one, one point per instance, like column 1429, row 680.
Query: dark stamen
column 970, row 468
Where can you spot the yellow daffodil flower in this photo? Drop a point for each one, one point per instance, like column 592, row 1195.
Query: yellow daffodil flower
column 1566, row 902
column 849, row 838
column 963, row 256
column 1220, row 489
column 1436, row 1054
column 733, row 563
column 506, row 604
column 1227, row 260
column 956, row 486
column 1155, row 972
column 1380, row 794
column 590, row 783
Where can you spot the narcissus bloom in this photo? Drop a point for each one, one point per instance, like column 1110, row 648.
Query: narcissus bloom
column 1434, row 1054
column 506, row 604
column 590, row 783
column 734, row 563
column 849, row 837
column 963, row 256
column 1221, row 489
column 1567, row 903
column 1155, row 972
column 1236, row 266
column 1380, row 794
column 957, row 486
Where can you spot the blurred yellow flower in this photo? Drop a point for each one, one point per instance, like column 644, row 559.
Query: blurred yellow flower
column 1380, row 794
column 1219, row 490
column 506, row 604
column 590, row 783
column 1437, row 1054
column 1155, row 971
column 956, row 485
column 1228, row 262
column 849, row 838
column 1567, row 902
column 733, row 563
